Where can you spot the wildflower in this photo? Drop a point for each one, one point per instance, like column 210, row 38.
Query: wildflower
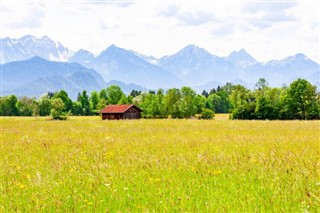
column 109, row 154
column 217, row 172
column 27, row 176
column 22, row 186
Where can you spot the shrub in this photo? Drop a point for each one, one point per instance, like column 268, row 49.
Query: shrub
column 207, row 113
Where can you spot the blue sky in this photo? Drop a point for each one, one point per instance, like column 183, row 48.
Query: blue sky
column 266, row 29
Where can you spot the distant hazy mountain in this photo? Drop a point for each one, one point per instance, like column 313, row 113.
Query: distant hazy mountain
column 192, row 66
column 150, row 59
column 241, row 59
column 277, row 72
column 28, row 46
column 36, row 76
column 208, row 86
column 127, row 88
column 215, row 84
column 314, row 78
column 295, row 65
column 82, row 57
column 197, row 66
column 122, row 65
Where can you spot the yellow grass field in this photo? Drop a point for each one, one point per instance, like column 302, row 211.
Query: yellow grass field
column 89, row 165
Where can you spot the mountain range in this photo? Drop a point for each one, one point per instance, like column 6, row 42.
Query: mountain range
column 36, row 76
column 119, row 64
column 29, row 46
column 31, row 66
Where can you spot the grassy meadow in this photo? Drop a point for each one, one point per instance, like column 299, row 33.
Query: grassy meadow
column 89, row 165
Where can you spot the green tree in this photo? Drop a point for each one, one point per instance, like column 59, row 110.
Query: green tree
column 243, row 103
column 219, row 102
column 224, row 105
column 35, row 109
column 94, row 100
column 188, row 102
column 239, row 96
column 205, row 93
column 148, row 105
column 25, row 106
column 130, row 99
column 57, row 112
column 201, row 102
column 85, row 104
column 228, row 88
column 263, row 109
column 123, row 100
column 102, row 104
column 135, row 93
column 9, row 106
column 44, row 105
column 103, row 94
column 214, row 102
column 160, row 108
column 77, row 108
column 261, row 86
column 172, row 102
column 301, row 99
column 63, row 95
column 114, row 94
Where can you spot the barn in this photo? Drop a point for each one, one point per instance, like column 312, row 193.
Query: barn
column 116, row 112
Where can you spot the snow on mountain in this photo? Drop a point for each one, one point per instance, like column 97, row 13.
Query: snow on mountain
column 298, row 62
column 197, row 66
column 29, row 46
column 241, row 59
column 150, row 59
column 119, row 64
column 192, row 65
column 82, row 57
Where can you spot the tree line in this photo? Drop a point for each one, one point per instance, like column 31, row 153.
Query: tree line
column 300, row 100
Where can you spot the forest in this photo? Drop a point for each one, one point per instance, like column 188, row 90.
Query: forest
column 299, row 100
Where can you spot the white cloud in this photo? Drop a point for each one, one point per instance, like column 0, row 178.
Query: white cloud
column 265, row 14
column 267, row 30
column 26, row 16
column 186, row 15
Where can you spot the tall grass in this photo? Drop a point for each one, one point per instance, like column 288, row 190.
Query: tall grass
column 90, row 165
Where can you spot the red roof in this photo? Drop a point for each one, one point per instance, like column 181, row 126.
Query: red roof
column 118, row 108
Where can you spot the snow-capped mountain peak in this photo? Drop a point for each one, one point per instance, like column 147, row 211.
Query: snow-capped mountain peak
column 29, row 46
column 150, row 59
column 194, row 51
column 193, row 65
column 241, row 59
column 111, row 50
column 299, row 57
column 82, row 56
column 296, row 60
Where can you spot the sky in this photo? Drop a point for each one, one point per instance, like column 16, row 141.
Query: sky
column 265, row 29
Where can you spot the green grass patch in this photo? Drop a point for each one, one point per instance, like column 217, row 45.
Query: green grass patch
column 85, row 164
